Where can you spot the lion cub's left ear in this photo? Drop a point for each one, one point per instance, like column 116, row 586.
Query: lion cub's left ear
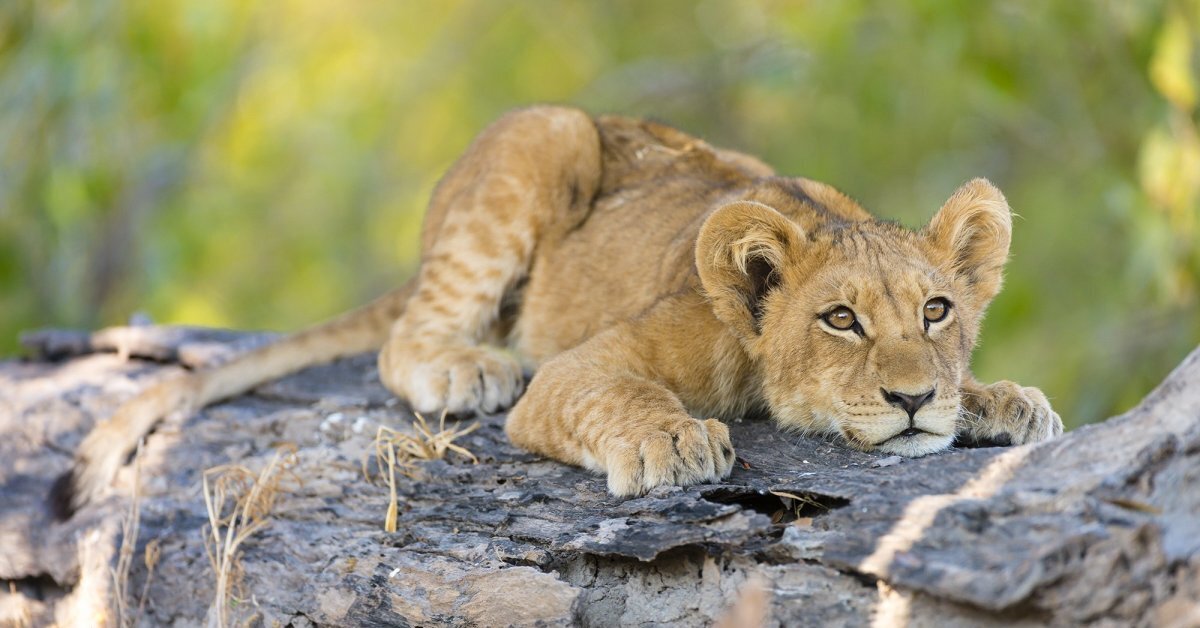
column 740, row 254
column 971, row 234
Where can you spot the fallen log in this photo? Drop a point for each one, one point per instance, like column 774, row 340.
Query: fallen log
column 1099, row 526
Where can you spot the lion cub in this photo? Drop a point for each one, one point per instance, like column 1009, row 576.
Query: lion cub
column 654, row 282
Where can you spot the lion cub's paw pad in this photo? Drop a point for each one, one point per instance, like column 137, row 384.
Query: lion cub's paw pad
column 689, row 451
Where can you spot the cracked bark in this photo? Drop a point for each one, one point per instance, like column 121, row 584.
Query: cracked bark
column 1100, row 526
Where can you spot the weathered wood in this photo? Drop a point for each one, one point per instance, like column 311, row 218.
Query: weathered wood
column 189, row 346
column 1102, row 525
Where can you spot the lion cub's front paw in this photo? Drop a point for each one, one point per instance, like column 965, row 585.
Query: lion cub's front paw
column 680, row 452
column 1008, row 413
column 456, row 378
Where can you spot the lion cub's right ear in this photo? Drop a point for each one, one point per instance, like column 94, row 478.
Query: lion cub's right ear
column 740, row 255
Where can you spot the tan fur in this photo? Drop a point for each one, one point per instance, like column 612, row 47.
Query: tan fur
column 657, row 284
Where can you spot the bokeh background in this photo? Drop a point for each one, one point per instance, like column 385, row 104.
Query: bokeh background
column 265, row 165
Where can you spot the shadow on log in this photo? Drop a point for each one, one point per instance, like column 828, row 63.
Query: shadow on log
column 1101, row 525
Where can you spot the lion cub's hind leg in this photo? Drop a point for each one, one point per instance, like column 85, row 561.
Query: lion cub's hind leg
column 528, row 177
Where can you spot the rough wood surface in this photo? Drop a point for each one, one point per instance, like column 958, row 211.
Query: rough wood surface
column 1101, row 526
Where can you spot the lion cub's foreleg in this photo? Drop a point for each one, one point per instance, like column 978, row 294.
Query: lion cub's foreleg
column 1006, row 413
column 524, row 179
column 591, row 406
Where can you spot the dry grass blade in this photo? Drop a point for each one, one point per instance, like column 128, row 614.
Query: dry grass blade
column 799, row 502
column 385, row 453
column 17, row 611
column 395, row 450
column 150, row 557
column 430, row 446
column 239, row 504
column 129, row 535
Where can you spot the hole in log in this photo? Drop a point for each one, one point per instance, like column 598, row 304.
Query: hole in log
column 41, row 587
column 781, row 507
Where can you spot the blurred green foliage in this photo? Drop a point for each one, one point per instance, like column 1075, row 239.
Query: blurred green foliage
column 266, row 164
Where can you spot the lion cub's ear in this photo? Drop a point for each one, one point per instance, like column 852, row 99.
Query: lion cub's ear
column 740, row 254
column 971, row 233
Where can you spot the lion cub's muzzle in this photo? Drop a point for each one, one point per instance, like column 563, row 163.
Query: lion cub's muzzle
column 905, row 423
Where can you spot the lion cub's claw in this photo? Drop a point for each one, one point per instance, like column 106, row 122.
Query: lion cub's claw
column 688, row 451
column 1018, row 414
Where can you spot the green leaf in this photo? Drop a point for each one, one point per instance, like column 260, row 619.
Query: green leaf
column 1171, row 66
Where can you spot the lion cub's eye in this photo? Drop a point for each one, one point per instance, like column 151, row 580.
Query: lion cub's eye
column 936, row 310
column 841, row 318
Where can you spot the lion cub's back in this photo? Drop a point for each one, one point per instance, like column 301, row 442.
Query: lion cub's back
column 636, row 244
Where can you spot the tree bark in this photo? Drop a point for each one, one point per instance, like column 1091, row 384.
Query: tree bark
column 1099, row 526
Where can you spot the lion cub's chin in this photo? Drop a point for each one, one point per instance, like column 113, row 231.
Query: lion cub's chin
column 858, row 435
column 915, row 446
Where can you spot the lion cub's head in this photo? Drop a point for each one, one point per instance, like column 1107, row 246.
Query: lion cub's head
column 860, row 328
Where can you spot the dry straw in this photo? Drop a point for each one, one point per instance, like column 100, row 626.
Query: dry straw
column 130, row 528
column 399, row 451
column 239, row 504
column 129, row 535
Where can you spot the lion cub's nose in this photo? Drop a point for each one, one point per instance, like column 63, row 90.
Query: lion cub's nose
column 908, row 403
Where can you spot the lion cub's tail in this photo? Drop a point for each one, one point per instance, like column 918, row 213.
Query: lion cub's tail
column 109, row 443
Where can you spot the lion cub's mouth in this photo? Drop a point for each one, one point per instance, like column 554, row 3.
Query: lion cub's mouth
column 913, row 442
column 908, row 433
